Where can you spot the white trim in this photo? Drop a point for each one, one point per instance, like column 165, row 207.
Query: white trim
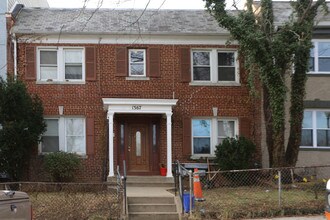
column 213, row 133
column 140, row 106
column 128, row 39
column 316, row 56
column 314, row 129
column 214, row 67
column 144, row 62
column 61, row 65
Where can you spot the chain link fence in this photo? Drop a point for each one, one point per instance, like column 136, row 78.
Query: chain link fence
column 72, row 200
column 259, row 193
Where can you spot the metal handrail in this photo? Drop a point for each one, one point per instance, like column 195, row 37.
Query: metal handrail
column 121, row 181
column 182, row 171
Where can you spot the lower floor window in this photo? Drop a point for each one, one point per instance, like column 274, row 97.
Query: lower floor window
column 316, row 128
column 207, row 133
column 64, row 134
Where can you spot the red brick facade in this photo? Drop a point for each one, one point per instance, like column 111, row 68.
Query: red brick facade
column 193, row 101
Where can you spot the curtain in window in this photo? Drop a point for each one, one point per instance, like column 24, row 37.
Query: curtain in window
column 75, row 138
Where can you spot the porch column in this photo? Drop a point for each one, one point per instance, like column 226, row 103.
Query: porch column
column 169, row 143
column 110, row 118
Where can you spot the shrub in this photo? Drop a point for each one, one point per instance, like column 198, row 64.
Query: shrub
column 62, row 166
column 235, row 154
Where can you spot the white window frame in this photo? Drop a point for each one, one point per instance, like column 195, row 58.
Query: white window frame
column 214, row 67
column 213, row 133
column 316, row 56
column 62, row 134
column 314, row 129
column 61, row 64
column 144, row 62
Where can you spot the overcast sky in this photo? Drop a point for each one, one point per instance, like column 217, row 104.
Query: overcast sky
column 153, row 4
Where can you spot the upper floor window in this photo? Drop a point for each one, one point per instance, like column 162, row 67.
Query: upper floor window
column 319, row 61
column 61, row 64
column 137, row 62
column 214, row 66
column 207, row 133
column 316, row 128
column 64, row 134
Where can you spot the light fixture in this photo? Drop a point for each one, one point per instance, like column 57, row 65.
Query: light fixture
column 60, row 109
column 215, row 111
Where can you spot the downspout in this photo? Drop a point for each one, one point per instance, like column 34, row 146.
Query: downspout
column 14, row 40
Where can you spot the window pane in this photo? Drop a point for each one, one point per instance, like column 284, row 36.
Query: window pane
column 201, row 145
column 307, row 137
column 311, row 64
column 48, row 72
column 201, row 58
column 322, row 119
column 324, row 49
column 50, row 144
column 73, row 72
column 137, row 56
column 50, row 139
column 226, row 128
column 226, row 74
column 226, row 59
column 75, row 144
column 52, row 127
column 324, row 64
column 48, row 57
column 138, row 143
column 202, row 73
column 323, row 138
column 201, row 128
column 307, row 121
column 72, row 56
column 137, row 69
column 74, row 126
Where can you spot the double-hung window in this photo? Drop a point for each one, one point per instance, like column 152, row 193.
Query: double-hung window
column 64, row 134
column 214, row 66
column 319, row 61
column 137, row 62
column 61, row 64
column 316, row 129
column 209, row 132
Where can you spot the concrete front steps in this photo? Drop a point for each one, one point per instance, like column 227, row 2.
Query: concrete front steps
column 150, row 181
column 148, row 198
column 157, row 208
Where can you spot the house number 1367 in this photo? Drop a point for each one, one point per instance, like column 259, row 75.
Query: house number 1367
column 136, row 107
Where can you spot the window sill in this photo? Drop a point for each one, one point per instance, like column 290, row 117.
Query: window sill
column 214, row 84
column 60, row 82
column 318, row 74
column 314, row 148
column 137, row 78
column 81, row 156
column 202, row 156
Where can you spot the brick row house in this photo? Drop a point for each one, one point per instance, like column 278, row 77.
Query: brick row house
column 145, row 87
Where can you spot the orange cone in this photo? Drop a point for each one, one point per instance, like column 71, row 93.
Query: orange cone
column 197, row 187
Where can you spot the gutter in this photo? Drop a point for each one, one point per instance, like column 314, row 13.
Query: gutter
column 14, row 40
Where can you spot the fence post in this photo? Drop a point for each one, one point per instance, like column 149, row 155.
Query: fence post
column 190, row 192
column 279, row 188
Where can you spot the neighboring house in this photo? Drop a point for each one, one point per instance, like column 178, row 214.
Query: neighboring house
column 6, row 7
column 315, row 143
column 145, row 87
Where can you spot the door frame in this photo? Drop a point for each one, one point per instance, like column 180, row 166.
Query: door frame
column 150, row 120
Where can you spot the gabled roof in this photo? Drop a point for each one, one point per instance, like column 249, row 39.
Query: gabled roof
column 28, row 3
column 110, row 21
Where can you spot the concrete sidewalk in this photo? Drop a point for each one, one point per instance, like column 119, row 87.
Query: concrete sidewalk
column 316, row 217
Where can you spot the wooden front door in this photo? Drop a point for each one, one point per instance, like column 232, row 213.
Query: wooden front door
column 138, row 149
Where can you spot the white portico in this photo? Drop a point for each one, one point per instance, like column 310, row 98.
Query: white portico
column 139, row 106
